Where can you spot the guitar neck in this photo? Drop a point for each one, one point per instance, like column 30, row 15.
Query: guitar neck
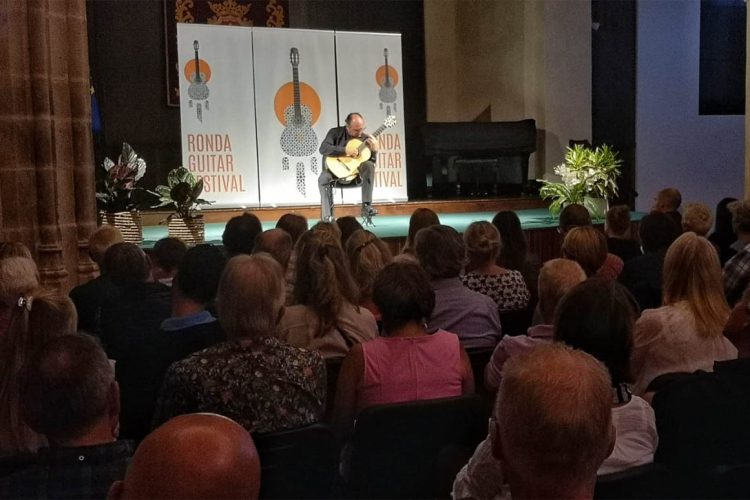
column 387, row 76
column 297, row 106
column 198, row 78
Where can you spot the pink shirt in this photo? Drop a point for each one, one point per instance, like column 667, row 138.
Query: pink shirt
column 399, row 369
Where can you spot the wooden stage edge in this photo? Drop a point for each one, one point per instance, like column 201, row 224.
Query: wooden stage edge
column 385, row 208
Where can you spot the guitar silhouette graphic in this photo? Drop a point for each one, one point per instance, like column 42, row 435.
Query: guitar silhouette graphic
column 387, row 93
column 198, row 90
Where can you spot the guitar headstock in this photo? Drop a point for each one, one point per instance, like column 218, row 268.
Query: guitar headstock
column 294, row 57
column 390, row 121
column 385, row 52
column 195, row 45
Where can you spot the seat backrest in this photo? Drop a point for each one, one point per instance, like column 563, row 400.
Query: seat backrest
column 479, row 357
column 298, row 463
column 396, row 449
column 646, row 481
column 333, row 367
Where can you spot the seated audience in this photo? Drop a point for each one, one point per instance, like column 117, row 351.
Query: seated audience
column 239, row 234
column 348, row 225
column 406, row 363
column 737, row 269
column 253, row 378
column 89, row 297
column 573, row 216
column 587, row 246
column 14, row 249
column 505, row 286
column 667, row 201
column 618, row 228
column 367, row 255
column 551, row 431
column 277, row 243
column 420, row 218
column 35, row 318
column 293, row 224
column 556, row 278
column 697, row 218
column 686, row 333
column 737, row 328
column 723, row 236
column 165, row 257
column 643, row 274
column 18, row 276
column 71, row 398
column 472, row 316
column 196, row 456
column 325, row 316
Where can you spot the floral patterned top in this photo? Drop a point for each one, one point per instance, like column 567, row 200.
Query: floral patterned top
column 262, row 383
column 508, row 290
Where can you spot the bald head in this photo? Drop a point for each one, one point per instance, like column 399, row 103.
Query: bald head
column 193, row 456
column 277, row 243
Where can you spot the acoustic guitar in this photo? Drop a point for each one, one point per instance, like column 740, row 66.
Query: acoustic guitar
column 298, row 138
column 387, row 92
column 198, row 90
column 347, row 167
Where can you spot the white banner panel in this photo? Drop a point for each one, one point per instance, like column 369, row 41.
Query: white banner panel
column 295, row 105
column 216, row 111
column 370, row 82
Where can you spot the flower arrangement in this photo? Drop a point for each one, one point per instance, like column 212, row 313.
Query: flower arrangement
column 586, row 174
column 182, row 192
column 117, row 189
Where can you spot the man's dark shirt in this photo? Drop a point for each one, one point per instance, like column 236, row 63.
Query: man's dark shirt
column 88, row 299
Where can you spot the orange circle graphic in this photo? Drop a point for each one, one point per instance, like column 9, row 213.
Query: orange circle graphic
column 190, row 70
column 380, row 75
column 285, row 98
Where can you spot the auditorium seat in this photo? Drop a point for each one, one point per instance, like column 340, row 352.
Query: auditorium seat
column 642, row 482
column 333, row 367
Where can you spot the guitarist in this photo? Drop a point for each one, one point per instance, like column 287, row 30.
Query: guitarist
column 334, row 144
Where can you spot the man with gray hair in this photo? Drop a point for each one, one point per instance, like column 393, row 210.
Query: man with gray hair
column 72, row 398
column 277, row 243
column 737, row 269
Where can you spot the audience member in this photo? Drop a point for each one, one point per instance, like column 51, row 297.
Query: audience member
column 165, row 257
column 587, row 246
column 573, row 216
column 514, row 252
column 253, row 378
column 14, row 249
column 420, row 218
column 367, row 255
column 277, row 243
column 618, row 228
column 737, row 269
column 325, row 315
column 667, row 201
column 407, row 363
column 697, row 218
column 348, row 225
column 472, row 316
column 551, row 431
column 330, row 228
column 196, row 456
column 643, row 274
column 36, row 317
column 18, row 276
column 723, row 236
column 293, row 224
column 505, row 286
column 737, row 328
column 239, row 234
column 686, row 333
column 556, row 278
column 89, row 297
column 71, row 397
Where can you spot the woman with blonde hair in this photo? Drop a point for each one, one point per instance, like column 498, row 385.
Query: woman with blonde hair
column 505, row 286
column 685, row 334
column 587, row 246
column 367, row 254
column 325, row 315
column 35, row 317
column 697, row 218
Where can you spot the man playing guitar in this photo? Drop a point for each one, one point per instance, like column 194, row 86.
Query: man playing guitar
column 335, row 145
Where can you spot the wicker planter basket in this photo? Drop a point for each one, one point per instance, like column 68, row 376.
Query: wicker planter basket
column 192, row 231
column 130, row 224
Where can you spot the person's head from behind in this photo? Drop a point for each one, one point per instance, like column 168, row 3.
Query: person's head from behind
column 514, row 247
column 587, row 246
column 697, row 218
column 367, row 254
column 293, row 224
column 14, row 249
column 692, row 273
column 667, row 200
column 741, row 219
column 553, row 422
column 403, row 293
column 166, row 256
column 597, row 316
column 275, row 242
column 618, row 221
column 556, row 278
column 71, row 395
column 657, row 232
column 100, row 241
column 250, row 297
column 441, row 251
column 239, row 234
column 330, row 228
column 483, row 244
column 420, row 218
column 126, row 265
column 198, row 274
column 18, row 275
column 193, row 456
column 573, row 215
column 348, row 225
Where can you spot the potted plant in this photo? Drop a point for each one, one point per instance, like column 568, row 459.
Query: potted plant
column 182, row 193
column 589, row 178
column 118, row 199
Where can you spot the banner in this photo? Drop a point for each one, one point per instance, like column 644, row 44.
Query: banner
column 369, row 82
column 216, row 112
